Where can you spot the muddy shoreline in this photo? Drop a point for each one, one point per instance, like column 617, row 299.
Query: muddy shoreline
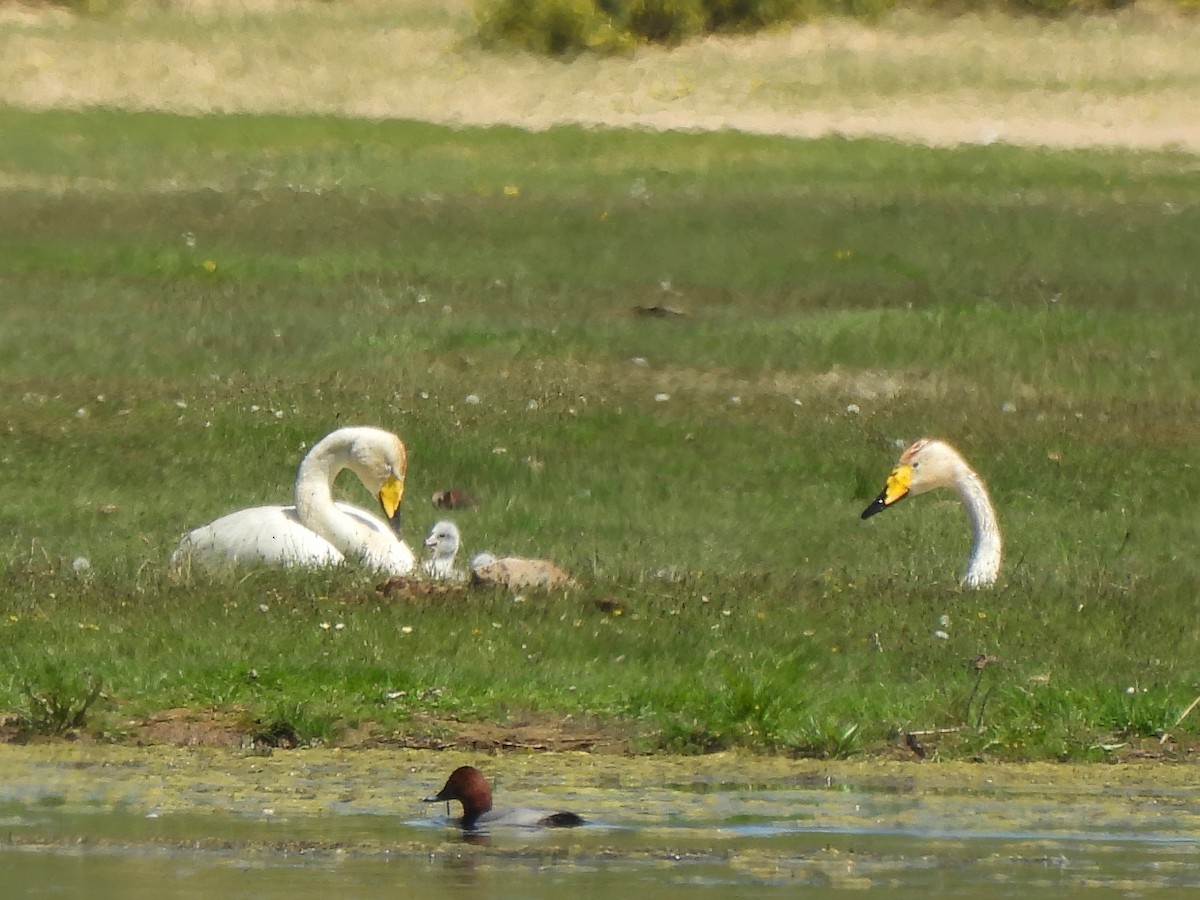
column 145, row 780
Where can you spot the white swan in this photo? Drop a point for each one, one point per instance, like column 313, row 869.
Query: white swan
column 930, row 464
column 316, row 531
column 443, row 542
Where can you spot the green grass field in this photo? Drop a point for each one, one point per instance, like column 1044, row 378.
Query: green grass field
column 187, row 303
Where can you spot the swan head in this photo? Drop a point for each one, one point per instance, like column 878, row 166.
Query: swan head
column 926, row 465
column 443, row 540
column 380, row 461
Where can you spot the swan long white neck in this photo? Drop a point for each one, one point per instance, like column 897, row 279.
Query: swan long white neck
column 983, row 567
column 317, row 511
column 314, row 495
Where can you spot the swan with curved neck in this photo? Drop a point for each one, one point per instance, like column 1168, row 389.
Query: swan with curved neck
column 930, row 464
column 317, row 531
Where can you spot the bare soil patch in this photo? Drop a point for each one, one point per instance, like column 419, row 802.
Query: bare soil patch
column 184, row 727
column 231, row 729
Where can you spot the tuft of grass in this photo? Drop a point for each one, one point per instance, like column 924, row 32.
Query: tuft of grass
column 58, row 702
column 701, row 474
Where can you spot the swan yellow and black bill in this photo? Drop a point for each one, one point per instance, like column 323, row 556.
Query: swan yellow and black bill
column 390, row 496
column 893, row 492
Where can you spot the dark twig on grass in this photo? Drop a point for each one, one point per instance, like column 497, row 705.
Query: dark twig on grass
column 658, row 311
column 912, row 739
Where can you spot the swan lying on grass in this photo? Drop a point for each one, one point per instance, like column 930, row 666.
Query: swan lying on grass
column 931, row 464
column 316, row 531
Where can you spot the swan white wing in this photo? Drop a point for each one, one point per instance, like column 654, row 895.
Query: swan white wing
column 273, row 536
column 376, row 544
column 260, row 535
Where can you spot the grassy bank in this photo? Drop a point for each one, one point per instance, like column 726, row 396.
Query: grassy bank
column 185, row 304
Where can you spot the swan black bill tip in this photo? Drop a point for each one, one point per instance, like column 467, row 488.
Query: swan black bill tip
column 878, row 505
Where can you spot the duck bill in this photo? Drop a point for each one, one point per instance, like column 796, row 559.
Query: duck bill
column 441, row 795
column 439, row 798
column 894, row 491
column 390, row 496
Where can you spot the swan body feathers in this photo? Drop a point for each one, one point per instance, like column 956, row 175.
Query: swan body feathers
column 316, row 531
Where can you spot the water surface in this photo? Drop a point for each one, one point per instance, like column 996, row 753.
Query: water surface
column 161, row 822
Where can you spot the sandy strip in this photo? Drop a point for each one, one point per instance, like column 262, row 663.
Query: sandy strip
column 1129, row 80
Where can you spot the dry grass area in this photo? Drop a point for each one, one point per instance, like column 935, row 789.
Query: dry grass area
column 1130, row 79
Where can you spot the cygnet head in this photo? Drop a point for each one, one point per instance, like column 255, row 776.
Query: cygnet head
column 926, row 465
column 443, row 540
column 479, row 560
column 443, row 543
